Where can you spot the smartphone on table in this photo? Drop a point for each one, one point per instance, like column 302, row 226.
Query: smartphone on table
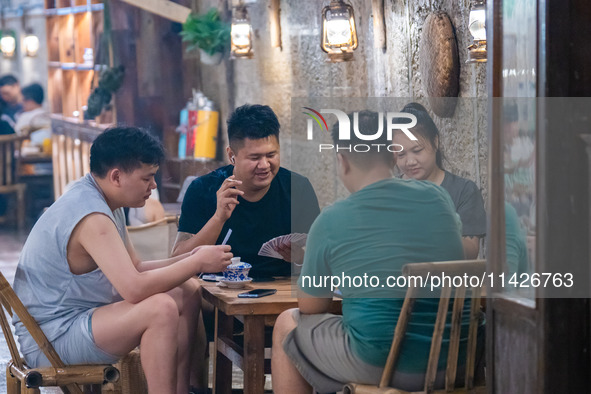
column 257, row 293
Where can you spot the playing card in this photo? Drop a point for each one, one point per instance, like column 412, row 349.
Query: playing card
column 269, row 248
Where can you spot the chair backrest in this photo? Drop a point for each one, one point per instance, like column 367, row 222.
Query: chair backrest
column 154, row 241
column 9, row 162
column 473, row 269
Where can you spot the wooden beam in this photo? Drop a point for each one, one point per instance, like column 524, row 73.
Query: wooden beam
column 166, row 9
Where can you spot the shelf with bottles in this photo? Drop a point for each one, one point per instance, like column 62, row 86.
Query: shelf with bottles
column 71, row 40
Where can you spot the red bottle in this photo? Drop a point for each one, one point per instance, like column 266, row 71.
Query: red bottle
column 191, row 128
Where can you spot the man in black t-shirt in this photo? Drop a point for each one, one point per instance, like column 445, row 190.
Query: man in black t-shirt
column 253, row 196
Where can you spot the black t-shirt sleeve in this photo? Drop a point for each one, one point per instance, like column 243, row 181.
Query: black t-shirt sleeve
column 197, row 208
column 471, row 210
column 305, row 206
column 5, row 128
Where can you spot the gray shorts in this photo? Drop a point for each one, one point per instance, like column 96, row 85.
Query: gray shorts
column 75, row 346
column 320, row 350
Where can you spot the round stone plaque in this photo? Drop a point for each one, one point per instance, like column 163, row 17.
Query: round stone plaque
column 439, row 64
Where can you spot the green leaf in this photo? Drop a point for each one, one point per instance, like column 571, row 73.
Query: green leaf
column 207, row 32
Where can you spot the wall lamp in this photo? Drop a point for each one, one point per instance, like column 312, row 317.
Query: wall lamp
column 30, row 41
column 477, row 26
column 8, row 43
column 241, row 34
column 275, row 24
column 31, row 44
column 339, row 35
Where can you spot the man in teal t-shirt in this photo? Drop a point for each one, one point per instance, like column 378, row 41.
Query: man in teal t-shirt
column 367, row 238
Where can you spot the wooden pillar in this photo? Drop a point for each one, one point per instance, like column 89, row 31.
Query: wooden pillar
column 124, row 36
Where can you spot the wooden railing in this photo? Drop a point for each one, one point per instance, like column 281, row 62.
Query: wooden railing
column 70, row 151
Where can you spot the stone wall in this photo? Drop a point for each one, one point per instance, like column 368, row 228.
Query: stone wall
column 299, row 70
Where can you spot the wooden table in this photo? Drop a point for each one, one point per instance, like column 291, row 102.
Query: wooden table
column 256, row 313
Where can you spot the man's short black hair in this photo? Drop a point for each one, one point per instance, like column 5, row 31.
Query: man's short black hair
column 8, row 79
column 253, row 122
column 33, row 92
column 126, row 148
column 368, row 153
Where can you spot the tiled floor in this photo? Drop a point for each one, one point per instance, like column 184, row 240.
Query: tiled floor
column 11, row 243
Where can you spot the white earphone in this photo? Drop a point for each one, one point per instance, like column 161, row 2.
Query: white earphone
column 232, row 160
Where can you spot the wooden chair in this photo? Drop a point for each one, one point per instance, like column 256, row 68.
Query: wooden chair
column 424, row 270
column 154, row 241
column 9, row 176
column 126, row 377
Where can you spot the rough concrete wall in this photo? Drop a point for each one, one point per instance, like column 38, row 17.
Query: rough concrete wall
column 299, row 70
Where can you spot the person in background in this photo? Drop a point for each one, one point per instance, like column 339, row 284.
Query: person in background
column 10, row 92
column 515, row 243
column 423, row 160
column 6, row 123
column 34, row 121
column 80, row 278
column 6, row 128
column 382, row 225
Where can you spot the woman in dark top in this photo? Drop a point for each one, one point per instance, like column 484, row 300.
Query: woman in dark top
column 423, row 160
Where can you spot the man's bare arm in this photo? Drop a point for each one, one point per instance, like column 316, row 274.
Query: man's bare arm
column 99, row 237
column 471, row 247
column 142, row 266
column 208, row 235
column 154, row 264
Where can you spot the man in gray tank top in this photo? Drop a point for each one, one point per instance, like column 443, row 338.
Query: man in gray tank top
column 80, row 278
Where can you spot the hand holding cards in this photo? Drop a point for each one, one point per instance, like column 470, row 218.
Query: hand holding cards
column 271, row 248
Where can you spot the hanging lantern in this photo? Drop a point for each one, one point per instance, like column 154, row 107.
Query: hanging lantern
column 31, row 44
column 8, row 43
column 477, row 26
column 241, row 34
column 339, row 35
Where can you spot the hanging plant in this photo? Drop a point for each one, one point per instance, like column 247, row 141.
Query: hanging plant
column 206, row 32
column 110, row 81
column 110, row 78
